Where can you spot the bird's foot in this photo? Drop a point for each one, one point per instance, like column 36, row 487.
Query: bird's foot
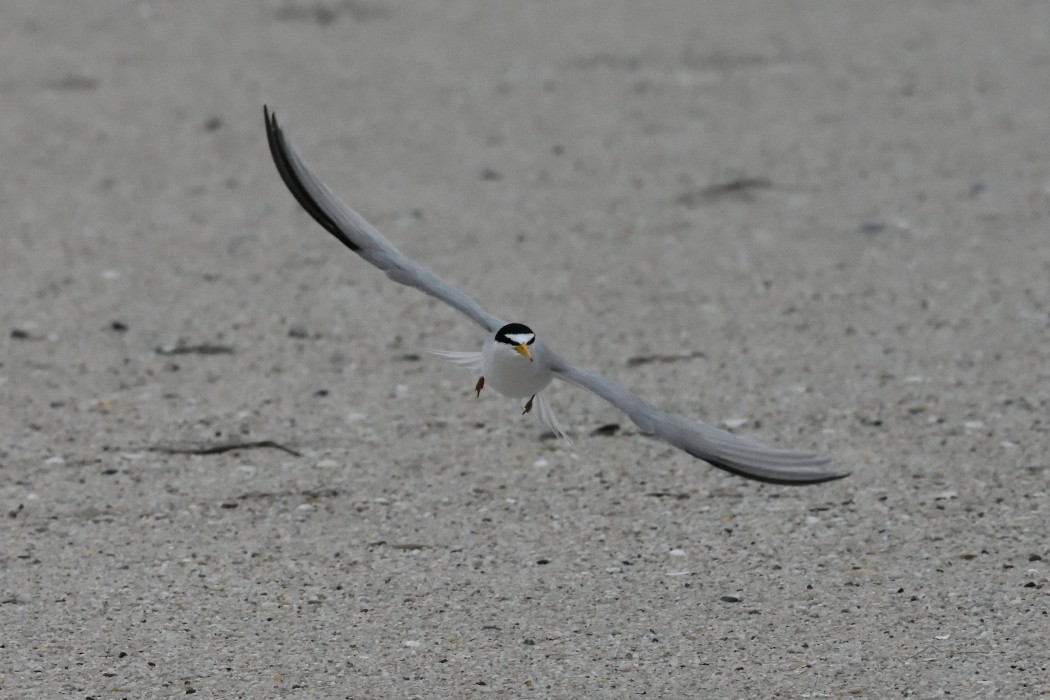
column 480, row 385
column 528, row 406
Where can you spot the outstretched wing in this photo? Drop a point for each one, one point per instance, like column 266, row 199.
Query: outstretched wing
column 360, row 236
column 719, row 447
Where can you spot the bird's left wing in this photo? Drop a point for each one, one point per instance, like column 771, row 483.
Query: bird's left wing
column 360, row 236
column 721, row 448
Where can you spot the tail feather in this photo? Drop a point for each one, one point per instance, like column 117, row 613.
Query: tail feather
column 549, row 420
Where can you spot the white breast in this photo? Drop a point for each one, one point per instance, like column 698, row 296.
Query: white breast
column 512, row 374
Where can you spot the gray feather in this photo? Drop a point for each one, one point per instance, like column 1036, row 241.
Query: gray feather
column 360, row 236
column 714, row 445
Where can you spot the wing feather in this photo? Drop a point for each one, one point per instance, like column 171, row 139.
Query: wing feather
column 357, row 234
column 719, row 447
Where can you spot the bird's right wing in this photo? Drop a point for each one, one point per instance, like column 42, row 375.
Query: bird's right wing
column 360, row 236
column 721, row 448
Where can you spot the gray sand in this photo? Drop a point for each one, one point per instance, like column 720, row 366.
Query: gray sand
column 830, row 220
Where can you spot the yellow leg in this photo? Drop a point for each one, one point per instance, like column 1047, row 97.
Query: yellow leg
column 480, row 385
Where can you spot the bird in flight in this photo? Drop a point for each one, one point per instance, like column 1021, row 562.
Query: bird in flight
column 515, row 362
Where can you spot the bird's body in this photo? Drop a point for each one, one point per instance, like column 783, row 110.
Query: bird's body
column 510, row 372
column 517, row 366
column 510, row 375
column 514, row 362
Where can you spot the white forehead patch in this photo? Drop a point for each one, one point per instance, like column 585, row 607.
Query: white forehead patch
column 520, row 337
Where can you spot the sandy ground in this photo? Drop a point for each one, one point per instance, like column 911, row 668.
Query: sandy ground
column 825, row 223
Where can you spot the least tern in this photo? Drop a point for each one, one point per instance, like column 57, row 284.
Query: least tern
column 518, row 364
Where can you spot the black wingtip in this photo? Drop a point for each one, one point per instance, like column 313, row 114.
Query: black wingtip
column 822, row 478
column 279, row 152
column 803, row 479
column 780, row 477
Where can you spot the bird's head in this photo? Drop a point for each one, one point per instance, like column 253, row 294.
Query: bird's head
column 518, row 336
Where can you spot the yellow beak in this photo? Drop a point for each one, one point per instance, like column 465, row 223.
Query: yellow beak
column 523, row 349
